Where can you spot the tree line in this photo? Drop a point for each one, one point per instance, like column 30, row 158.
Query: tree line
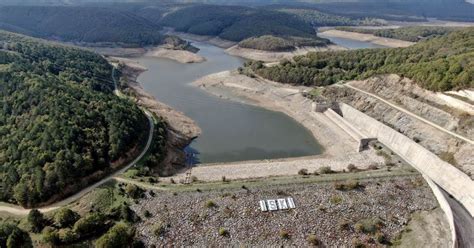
column 412, row 33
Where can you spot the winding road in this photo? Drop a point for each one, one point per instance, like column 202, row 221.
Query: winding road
column 17, row 210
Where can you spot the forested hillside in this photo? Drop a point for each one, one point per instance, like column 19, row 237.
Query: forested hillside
column 80, row 24
column 272, row 43
column 236, row 23
column 439, row 64
column 320, row 19
column 404, row 10
column 60, row 123
column 414, row 33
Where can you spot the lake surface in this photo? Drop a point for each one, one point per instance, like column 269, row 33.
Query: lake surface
column 230, row 131
column 350, row 43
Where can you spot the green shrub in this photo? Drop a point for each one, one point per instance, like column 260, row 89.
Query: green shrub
column 326, row 170
column 67, row 236
column 352, row 184
column 133, row 191
column 373, row 167
column 381, row 238
column 147, row 214
column 223, row 232
column 313, row 240
column 336, row 200
column 352, row 168
column 36, row 220
column 65, row 217
column 120, row 235
column 344, row 225
column 50, row 236
column 448, row 157
column 303, row 172
column 90, row 224
column 124, row 213
column 284, row 234
column 159, row 228
column 12, row 237
column 370, row 225
column 210, row 204
column 357, row 243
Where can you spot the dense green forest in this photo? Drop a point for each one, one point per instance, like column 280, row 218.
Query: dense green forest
column 410, row 10
column 81, row 24
column 60, row 123
column 272, row 43
column 236, row 23
column 320, row 19
column 439, row 64
column 412, row 33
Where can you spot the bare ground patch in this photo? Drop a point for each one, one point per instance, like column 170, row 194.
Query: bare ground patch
column 231, row 217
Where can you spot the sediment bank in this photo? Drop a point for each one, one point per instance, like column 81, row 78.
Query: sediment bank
column 367, row 38
column 181, row 56
column 269, row 56
column 213, row 40
column 163, row 51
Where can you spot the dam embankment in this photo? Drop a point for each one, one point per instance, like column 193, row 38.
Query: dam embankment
column 442, row 173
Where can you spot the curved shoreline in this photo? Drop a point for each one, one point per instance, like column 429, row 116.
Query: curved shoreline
column 181, row 56
column 388, row 42
column 267, row 56
column 339, row 148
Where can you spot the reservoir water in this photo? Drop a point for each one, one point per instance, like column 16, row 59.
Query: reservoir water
column 350, row 43
column 230, row 131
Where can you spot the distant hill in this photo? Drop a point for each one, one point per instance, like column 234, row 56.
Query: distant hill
column 80, row 24
column 236, row 23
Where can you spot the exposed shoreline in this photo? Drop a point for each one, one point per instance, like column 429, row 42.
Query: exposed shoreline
column 367, row 38
column 268, row 56
column 232, row 48
column 213, row 40
column 181, row 56
column 182, row 130
column 162, row 51
column 339, row 148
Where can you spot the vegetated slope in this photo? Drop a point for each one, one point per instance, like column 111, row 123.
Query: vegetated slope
column 272, row 43
column 410, row 10
column 414, row 34
column 60, row 123
column 236, row 23
column 81, row 24
column 439, row 64
column 319, row 19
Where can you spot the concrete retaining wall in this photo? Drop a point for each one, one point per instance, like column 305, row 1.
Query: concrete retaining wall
column 362, row 139
column 443, row 203
column 443, row 174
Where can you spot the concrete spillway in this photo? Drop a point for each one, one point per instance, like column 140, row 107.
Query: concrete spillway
column 448, row 177
column 362, row 139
